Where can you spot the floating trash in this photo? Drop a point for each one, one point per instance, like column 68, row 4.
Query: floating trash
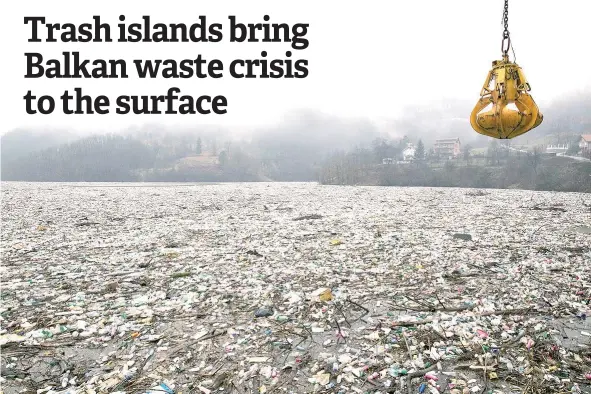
column 298, row 287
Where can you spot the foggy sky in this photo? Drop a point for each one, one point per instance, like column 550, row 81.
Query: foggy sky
column 372, row 60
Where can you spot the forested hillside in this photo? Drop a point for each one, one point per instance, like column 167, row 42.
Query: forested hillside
column 303, row 146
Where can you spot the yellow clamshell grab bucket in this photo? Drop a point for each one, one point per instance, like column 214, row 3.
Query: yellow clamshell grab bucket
column 505, row 109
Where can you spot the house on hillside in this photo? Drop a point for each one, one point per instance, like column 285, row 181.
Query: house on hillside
column 408, row 154
column 450, row 147
column 585, row 143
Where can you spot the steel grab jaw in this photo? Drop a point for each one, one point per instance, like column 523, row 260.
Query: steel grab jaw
column 513, row 111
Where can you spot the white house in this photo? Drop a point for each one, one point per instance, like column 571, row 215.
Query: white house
column 408, row 154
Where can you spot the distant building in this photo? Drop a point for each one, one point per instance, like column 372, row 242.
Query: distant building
column 387, row 160
column 585, row 142
column 450, row 147
column 408, row 154
column 557, row 149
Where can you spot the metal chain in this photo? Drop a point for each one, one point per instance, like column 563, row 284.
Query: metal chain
column 506, row 19
column 506, row 43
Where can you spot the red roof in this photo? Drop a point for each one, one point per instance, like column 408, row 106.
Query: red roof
column 586, row 137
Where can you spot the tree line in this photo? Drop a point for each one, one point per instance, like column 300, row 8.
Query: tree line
column 499, row 167
column 191, row 158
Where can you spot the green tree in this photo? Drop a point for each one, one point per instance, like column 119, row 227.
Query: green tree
column 466, row 154
column 223, row 158
column 403, row 143
column 535, row 158
column 573, row 146
column 493, row 152
column 381, row 149
column 431, row 154
column 198, row 147
column 420, row 151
